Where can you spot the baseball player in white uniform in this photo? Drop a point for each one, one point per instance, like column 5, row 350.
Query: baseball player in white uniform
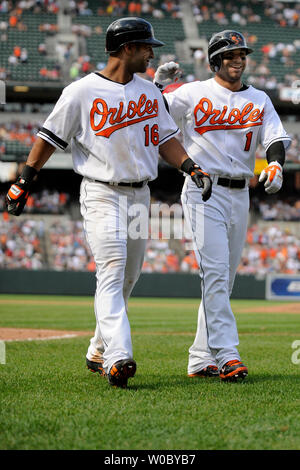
column 222, row 121
column 117, row 125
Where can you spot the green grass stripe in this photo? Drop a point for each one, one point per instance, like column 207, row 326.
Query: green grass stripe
column 49, row 400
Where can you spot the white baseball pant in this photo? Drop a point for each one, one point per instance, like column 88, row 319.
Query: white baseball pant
column 218, row 247
column 119, row 260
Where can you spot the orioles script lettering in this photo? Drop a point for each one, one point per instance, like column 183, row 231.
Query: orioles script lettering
column 117, row 118
column 225, row 119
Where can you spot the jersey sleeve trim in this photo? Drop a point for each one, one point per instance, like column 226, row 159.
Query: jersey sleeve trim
column 279, row 139
column 52, row 138
column 169, row 136
column 166, row 104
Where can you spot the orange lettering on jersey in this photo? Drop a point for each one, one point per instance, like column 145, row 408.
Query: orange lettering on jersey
column 117, row 118
column 215, row 119
column 246, row 110
column 219, row 116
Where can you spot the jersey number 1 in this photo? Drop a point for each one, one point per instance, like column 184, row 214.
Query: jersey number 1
column 151, row 134
column 248, row 141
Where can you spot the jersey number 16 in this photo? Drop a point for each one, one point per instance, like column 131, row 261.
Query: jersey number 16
column 151, row 134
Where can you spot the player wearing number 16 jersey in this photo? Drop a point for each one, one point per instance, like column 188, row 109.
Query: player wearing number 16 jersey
column 223, row 121
column 117, row 125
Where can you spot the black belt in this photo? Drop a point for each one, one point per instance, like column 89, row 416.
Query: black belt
column 139, row 184
column 228, row 183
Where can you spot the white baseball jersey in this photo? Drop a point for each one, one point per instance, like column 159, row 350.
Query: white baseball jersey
column 204, row 109
column 115, row 130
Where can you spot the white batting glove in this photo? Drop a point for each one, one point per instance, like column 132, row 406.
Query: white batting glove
column 272, row 175
column 166, row 74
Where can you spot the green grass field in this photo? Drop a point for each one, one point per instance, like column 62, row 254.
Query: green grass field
column 48, row 399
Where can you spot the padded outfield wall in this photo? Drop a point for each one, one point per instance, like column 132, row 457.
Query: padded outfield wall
column 149, row 285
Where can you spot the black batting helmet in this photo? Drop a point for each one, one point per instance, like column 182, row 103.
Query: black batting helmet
column 227, row 40
column 131, row 29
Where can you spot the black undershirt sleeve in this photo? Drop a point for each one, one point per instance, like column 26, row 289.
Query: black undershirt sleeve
column 276, row 152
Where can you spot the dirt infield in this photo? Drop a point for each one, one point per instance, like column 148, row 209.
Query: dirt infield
column 29, row 334
column 287, row 307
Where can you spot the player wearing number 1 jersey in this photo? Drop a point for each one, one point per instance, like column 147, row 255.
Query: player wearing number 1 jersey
column 223, row 121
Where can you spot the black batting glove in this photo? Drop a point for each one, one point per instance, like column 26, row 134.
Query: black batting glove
column 200, row 177
column 18, row 193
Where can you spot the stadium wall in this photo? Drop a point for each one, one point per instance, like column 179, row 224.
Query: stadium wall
column 149, row 285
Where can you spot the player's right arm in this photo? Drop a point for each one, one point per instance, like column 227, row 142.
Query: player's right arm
column 173, row 153
column 58, row 129
column 40, row 153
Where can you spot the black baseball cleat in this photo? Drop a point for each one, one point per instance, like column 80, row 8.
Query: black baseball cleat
column 95, row 367
column 209, row 371
column 120, row 372
column 233, row 370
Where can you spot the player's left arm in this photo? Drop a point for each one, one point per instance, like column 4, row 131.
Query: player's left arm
column 276, row 140
column 272, row 174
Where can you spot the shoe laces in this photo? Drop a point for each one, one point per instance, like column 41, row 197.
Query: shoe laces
column 233, row 362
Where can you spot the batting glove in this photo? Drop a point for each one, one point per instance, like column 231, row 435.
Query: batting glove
column 272, row 175
column 200, row 177
column 18, row 193
column 165, row 74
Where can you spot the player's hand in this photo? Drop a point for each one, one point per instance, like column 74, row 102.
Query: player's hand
column 18, row 193
column 17, row 196
column 200, row 177
column 272, row 175
column 202, row 180
column 165, row 74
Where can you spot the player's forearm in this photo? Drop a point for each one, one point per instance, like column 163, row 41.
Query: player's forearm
column 276, row 152
column 39, row 154
column 173, row 152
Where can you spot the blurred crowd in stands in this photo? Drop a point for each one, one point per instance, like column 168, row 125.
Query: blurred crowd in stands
column 270, row 249
column 241, row 13
column 280, row 210
column 260, row 73
column 244, row 13
column 21, row 243
column 223, row 13
column 68, row 247
column 60, row 244
column 285, row 14
column 33, row 243
column 15, row 8
column 44, row 202
column 19, row 131
column 157, row 8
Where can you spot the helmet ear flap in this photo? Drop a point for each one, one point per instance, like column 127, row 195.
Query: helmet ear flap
column 216, row 63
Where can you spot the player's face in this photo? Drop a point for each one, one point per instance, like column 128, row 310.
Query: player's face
column 233, row 65
column 141, row 58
